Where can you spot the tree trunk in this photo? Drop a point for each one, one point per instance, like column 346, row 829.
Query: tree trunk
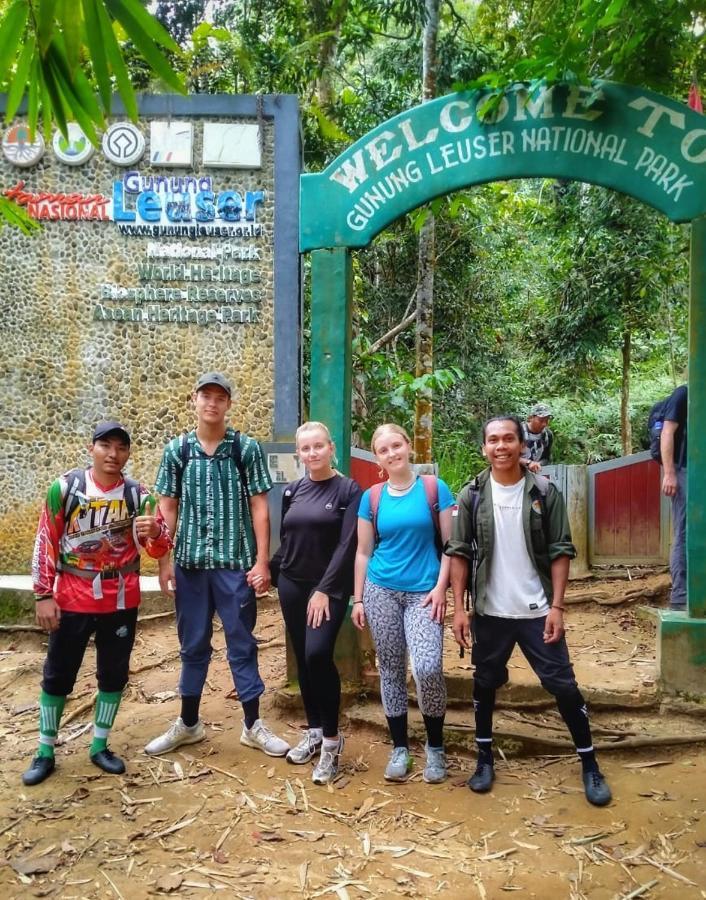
column 426, row 262
column 625, row 426
column 327, row 17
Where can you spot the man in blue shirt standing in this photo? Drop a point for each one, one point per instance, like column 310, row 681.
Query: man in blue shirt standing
column 672, row 446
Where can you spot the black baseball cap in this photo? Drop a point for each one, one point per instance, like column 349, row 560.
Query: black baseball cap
column 216, row 378
column 108, row 429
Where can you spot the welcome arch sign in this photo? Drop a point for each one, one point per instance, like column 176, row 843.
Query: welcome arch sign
column 618, row 136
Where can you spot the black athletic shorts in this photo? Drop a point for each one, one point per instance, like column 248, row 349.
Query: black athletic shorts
column 114, row 637
column 494, row 640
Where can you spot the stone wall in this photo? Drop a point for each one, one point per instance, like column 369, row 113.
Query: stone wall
column 64, row 366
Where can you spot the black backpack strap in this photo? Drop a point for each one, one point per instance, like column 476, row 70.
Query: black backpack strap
column 539, row 491
column 183, row 459
column 288, row 497
column 76, row 481
column 474, row 493
column 131, row 494
column 236, row 454
column 184, row 450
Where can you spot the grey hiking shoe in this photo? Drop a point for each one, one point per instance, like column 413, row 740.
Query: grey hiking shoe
column 399, row 766
column 175, row 736
column 261, row 738
column 327, row 767
column 435, row 769
column 306, row 749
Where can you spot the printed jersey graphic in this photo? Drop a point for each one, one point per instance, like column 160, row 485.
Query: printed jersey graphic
column 99, row 537
column 99, row 534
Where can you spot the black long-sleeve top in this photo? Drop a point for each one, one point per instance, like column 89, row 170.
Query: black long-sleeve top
column 319, row 533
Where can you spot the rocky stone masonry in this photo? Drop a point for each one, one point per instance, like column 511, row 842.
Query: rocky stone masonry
column 62, row 370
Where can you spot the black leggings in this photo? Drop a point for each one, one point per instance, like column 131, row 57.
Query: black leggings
column 319, row 681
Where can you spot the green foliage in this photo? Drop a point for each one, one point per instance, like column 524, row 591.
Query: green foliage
column 16, row 217
column 551, row 41
column 65, row 57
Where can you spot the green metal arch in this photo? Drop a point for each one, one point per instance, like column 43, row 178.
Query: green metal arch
column 634, row 141
column 618, row 136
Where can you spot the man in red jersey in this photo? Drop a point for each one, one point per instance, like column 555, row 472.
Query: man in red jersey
column 94, row 523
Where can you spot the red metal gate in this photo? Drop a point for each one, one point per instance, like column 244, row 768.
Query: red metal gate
column 628, row 515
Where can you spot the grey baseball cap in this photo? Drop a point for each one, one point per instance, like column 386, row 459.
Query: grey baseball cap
column 106, row 429
column 542, row 410
column 217, row 378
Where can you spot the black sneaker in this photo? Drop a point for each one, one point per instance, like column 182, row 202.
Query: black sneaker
column 40, row 769
column 108, row 761
column 482, row 779
column 596, row 788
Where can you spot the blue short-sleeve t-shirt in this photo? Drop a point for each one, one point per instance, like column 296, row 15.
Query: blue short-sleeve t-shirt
column 405, row 556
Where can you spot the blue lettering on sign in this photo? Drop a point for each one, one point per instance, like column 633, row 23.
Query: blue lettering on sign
column 149, row 206
column 205, row 210
column 230, row 203
column 251, row 199
column 178, row 210
column 120, row 214
column 154, row 203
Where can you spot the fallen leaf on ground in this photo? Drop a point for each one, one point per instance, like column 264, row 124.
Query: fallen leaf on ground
column 272, row 836
column 38, row 865
column 168, row 883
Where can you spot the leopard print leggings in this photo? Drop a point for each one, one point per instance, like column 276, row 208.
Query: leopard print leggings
column 398, row 623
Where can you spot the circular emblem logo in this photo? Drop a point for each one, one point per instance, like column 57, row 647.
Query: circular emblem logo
column 123, row 144
column 75, row 150
column 19, row 149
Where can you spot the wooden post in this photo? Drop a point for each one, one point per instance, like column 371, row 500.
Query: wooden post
column 331, row 339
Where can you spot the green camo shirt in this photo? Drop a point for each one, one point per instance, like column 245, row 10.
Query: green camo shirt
column 215, row 525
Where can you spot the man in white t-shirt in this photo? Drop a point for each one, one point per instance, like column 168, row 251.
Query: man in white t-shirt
column 512, row 532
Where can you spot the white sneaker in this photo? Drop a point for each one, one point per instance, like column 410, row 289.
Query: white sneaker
column 261, row 738
column 327, row 767
column 306, row 749
column 175, row 736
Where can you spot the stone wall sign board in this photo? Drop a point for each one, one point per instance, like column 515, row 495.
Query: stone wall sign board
column 142, row 277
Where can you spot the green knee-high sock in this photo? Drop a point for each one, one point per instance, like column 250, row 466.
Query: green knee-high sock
column 106, row 710
column 50, row 710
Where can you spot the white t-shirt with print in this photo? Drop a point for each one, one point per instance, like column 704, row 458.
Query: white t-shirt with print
column 514, row 589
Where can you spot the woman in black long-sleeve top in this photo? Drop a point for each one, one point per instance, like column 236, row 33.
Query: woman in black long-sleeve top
column 315, row 560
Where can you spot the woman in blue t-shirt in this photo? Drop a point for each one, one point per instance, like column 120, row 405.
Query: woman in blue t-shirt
column 400, row 588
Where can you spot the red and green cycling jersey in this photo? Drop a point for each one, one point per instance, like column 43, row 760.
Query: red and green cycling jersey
column 95, row 552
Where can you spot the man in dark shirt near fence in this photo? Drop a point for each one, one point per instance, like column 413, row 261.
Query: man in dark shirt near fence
column 672, row 447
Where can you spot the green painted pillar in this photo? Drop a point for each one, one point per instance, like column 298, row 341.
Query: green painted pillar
column 331, row 347
column 681, row 640
column 696, row 459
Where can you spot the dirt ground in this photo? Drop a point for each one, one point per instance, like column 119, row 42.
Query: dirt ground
column 222, row 818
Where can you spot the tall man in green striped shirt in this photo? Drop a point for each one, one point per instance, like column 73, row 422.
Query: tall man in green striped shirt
column 213, row 485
